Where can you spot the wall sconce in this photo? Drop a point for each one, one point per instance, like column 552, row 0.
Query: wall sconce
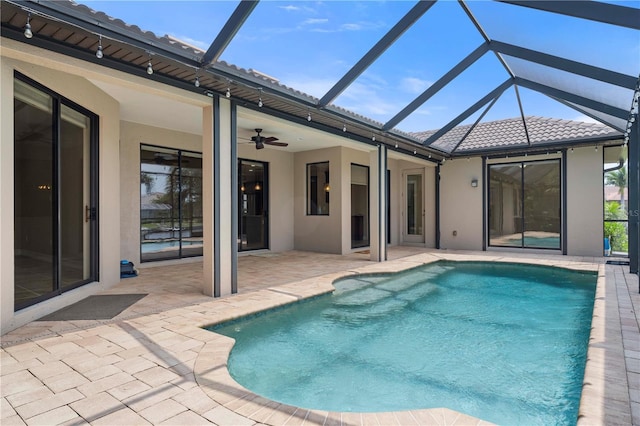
column 327, row 188
column 474, row 183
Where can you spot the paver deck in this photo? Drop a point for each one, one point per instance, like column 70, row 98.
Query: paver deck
column 153, row 364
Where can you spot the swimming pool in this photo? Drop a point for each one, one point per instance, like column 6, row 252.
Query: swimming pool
column 502, row 342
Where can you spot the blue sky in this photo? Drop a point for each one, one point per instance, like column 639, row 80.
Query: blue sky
column 310, row 45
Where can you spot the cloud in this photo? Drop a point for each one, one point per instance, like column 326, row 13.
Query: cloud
column 351, row 27
column 315, row 21
column 193, row 42
column 586, row 119
column 290, row 8
column 414, row 85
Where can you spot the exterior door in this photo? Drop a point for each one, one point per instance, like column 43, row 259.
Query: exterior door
column 413, row 206
column 253, row 196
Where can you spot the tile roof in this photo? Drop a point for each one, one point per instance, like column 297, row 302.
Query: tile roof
column 510, row 133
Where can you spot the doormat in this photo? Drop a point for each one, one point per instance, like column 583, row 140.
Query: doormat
column 617, row 262
column 100, row 307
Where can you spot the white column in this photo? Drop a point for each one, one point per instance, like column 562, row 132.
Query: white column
column 217, row 210
column 378, row 204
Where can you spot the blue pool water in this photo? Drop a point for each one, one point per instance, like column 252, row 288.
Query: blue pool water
column 502, row 342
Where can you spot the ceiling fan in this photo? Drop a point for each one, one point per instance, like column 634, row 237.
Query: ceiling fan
column 260, row 141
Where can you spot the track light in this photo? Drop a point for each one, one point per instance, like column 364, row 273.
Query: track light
column 99, row 53
column 228, row 93
column 149, row 67
column 27, row 27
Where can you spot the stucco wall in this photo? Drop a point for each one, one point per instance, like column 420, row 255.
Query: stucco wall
column 461, row 205
column 585, row 202
column 281, row 220
column 318, row 233
column 84, row 93
column 132, row 135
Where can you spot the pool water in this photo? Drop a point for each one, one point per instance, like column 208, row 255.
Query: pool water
column 502, row 342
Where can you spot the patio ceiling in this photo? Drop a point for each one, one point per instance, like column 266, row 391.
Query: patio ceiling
column 501, row 68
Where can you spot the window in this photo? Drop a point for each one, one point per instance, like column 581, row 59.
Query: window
column 55, row 187
column 318, row 189
column 524, row 204
column 170, row 203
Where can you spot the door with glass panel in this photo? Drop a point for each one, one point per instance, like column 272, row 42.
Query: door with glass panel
column 525, row 204
column 170, row 203
column 413, row 206
column 253, row 196
column 54, row 194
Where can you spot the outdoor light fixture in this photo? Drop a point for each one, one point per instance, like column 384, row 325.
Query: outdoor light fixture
column 327, row 188
column 260, row 102
column 474, row 183
column 27, row 27
column 596, row 148
column 373, row 138
column 396, row 145
column 309, row 116
column 149, row 67
column 228, row 93
column 197, row 81
column 99, row 53
column 344, row 127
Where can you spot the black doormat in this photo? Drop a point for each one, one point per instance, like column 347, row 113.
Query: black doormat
column 617, row 262
column 100, row 307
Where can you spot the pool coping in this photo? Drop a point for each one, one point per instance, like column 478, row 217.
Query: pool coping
column 213, row 377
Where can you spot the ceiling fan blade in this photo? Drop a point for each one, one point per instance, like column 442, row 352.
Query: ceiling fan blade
column 270, row 139
column 275, row 143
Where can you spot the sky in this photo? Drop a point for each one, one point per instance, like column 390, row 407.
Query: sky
column 310, row 45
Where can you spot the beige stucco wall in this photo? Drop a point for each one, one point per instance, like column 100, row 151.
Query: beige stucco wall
column 281, row 190
column 461, row 205
column 318, row 233
column 81, row 91
column 132, row 135
column 585, row 202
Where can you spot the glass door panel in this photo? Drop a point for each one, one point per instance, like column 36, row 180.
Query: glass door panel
column 414, row 207
column 252, row 211
column 191, row 198
column 505, row 205
column 541, row 204
column 359, row 206
column 74, row 193
column 35, row 262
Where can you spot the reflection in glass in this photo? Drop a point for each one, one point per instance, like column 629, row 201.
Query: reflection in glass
column 252, row 196
column 318, row 189
column 414, row 205
column 359, row 206
column 524, row 204
column 170, row 203
column 616, row 198
column 74, row 193
column 35, row 265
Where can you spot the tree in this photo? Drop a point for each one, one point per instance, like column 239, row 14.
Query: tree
column 618, row 178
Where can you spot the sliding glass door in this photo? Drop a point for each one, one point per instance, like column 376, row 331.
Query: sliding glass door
column 55, row 194
column 525, row 204
column 253, row 197
column 170, row 203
